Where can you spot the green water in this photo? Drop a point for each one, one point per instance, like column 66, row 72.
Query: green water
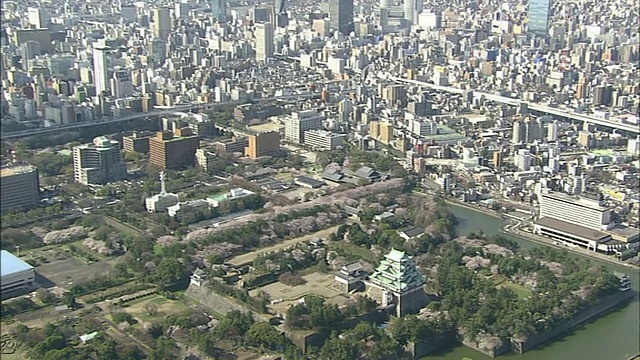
column 614, row 336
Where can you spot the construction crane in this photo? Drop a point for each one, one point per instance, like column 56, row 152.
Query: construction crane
column 282, row 17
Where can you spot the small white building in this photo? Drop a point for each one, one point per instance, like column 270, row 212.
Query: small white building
column 233, row 194
column 175, row 209
column 161, row 202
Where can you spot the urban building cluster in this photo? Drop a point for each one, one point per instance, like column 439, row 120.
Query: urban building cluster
column 528, row 107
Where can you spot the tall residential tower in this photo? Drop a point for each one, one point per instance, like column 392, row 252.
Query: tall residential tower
column 100, row 72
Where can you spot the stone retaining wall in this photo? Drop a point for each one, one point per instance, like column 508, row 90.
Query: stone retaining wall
column 581, row 317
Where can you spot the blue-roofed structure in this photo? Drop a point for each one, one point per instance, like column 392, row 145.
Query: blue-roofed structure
column 15, row 275
column 11, row 264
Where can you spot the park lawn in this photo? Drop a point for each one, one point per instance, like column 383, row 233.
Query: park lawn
column 520, row 290
column 354, row 251
column 165, row 307
column 502, row 281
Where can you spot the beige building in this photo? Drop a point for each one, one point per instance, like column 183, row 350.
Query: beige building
column 263, row 144
column 173, row 151
column 386, row 132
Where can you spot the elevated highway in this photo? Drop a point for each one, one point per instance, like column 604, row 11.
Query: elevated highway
column 631, row 128
column 164, row 111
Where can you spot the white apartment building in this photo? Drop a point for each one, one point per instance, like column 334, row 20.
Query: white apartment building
column 323, row 140
column 298, row 122
column 523, row 160
column 583, row 212
column 423, row 128
column 100, row 78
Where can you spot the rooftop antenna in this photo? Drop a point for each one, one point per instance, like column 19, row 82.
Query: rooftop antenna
column 163, row 186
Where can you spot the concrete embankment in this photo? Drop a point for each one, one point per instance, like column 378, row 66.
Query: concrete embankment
column 580, row 318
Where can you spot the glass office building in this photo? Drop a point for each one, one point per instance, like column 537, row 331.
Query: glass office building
column 538, row 17
column 341, row 16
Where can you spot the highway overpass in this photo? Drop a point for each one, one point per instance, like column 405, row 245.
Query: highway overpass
column 163, row 112
column 531, row 105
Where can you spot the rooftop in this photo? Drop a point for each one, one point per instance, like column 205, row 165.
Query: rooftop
column 11, row 264
column 15, row 170
column 593, row 204
column 573, row 229
column 309, row 181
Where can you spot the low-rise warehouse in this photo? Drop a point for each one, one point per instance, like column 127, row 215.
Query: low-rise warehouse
column 308, row 182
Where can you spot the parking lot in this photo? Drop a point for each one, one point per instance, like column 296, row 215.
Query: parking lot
column 65, row 273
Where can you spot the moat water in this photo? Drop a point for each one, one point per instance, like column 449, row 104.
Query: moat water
column 613, row 336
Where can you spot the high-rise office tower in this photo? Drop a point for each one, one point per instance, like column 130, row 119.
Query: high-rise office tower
column 282, row 18
column 182, row 10
column 219, row 9
column 162, row 23
column 538, row 17
column 157, row 52
column 100, row 77
column 341, row 16
column 264, row 41
column 261, row 14
column 98, row 163
column 412, row 8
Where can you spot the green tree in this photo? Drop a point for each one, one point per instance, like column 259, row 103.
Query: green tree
column 69, row 299
column 235, row 323
column 122, row 317
column 262, row 334
column 169, row 271
column 337, row 349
